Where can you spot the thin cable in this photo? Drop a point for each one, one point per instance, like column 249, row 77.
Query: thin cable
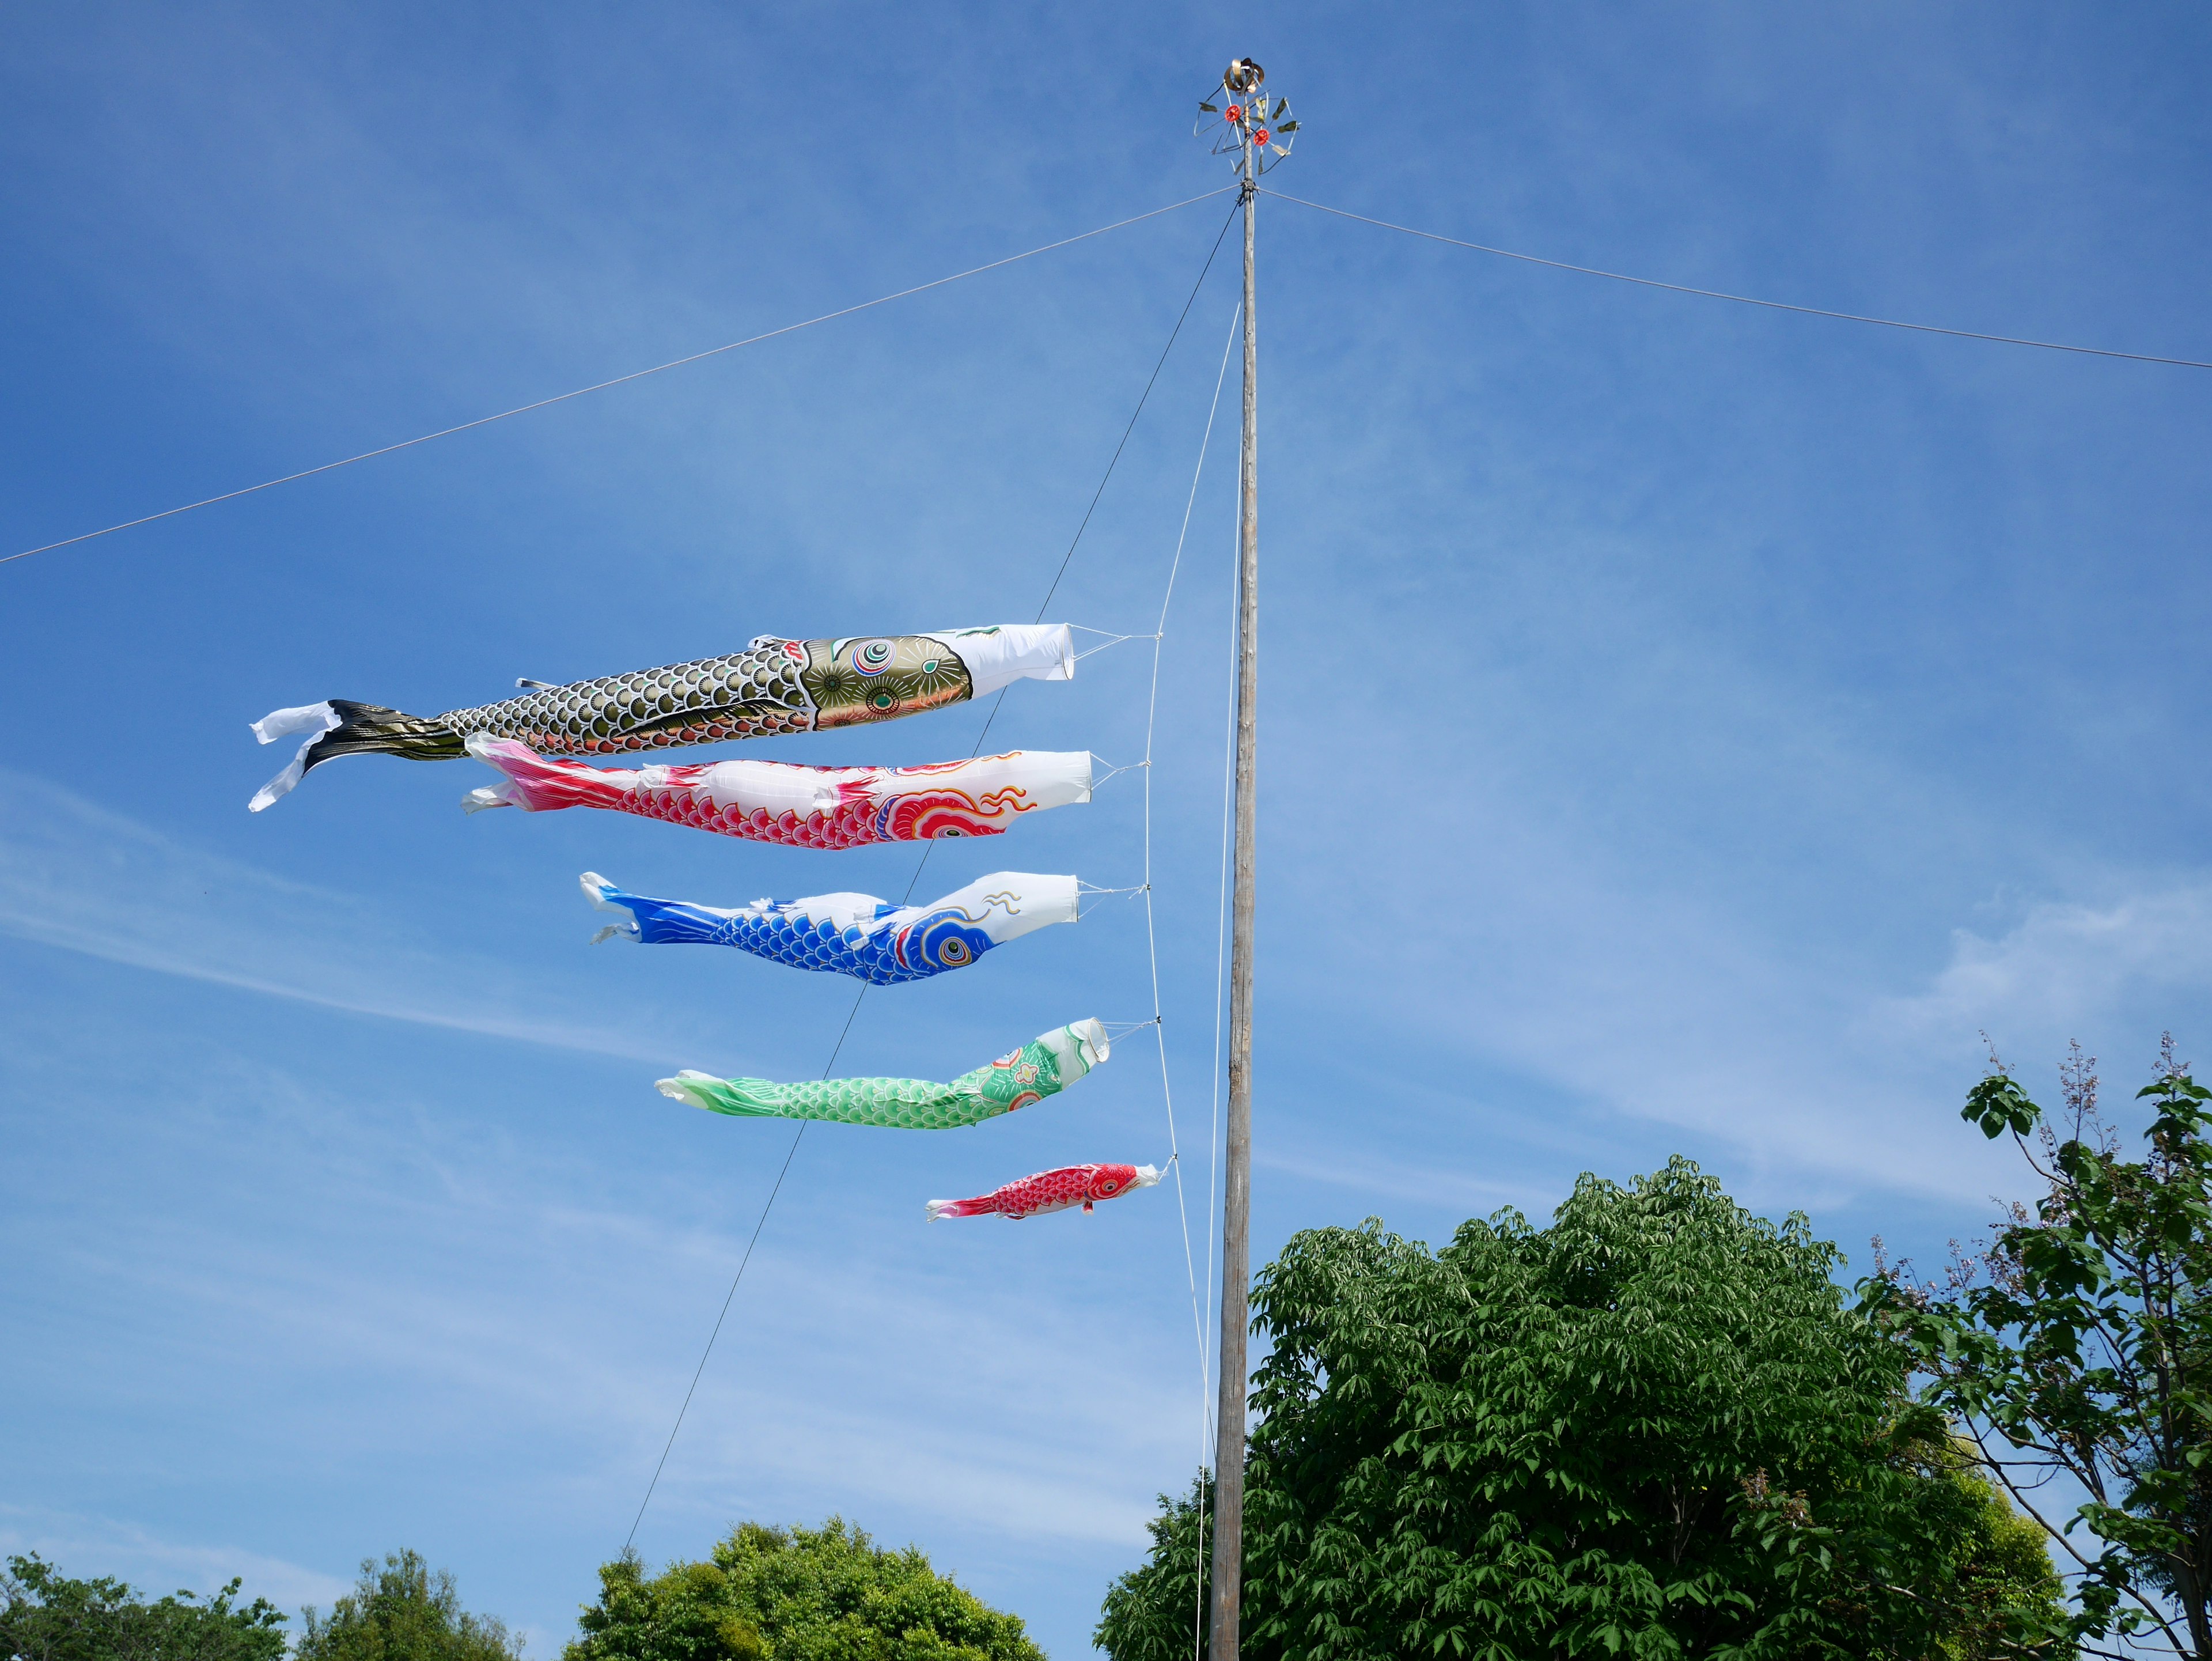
column 1111, row 641
column 638, row 374
column 1092, row 890
column 1151, row 932
column 1114, row 460
column 791, row 1153
column 1221, row 943
column 1152, row 947
column 912, row 882
column 1118, row 1031
column 1221, row 949
column 1138, row 410
column 927, row 847
column 699, row 1372
column 1213, row 1134
column 1747, row 300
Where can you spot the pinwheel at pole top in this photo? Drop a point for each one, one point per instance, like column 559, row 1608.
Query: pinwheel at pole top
column 1243, row 118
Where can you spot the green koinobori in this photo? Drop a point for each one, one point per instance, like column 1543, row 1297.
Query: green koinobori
column 1043, row 1067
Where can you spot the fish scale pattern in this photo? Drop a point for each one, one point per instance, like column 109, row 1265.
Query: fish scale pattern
column 900, row 1103
column 867, row 805
column 1062, row 1190
column 884, row 959
column 923, row 817
column 755, row 693
column 1005, row 1086
column 854, row 935
column 774, row 687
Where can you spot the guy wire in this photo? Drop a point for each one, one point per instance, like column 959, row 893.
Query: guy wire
column 1748, row 300
column 601, row 385
column 792, row 1152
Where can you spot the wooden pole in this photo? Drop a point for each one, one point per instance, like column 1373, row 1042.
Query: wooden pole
column 1237, row 1206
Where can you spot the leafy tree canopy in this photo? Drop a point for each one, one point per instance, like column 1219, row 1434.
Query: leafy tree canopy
column 1154, row 1612
column 50, row 1617
column 404, row 1612
column 1650, row 1430
column 799, row 1594
column 2078, row 1340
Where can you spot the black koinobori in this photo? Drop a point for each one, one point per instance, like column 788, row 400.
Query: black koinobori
column 775, row 685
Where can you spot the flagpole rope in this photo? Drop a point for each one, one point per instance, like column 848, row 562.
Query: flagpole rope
column 928, row 848
column 1214, row 1119
column 1151, row 932
column 639, row 374
column 1744, row 299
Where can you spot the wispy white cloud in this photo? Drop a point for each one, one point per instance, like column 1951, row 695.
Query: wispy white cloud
column 478, row 1287
column 84, row 1545
column 2067, row 966
column 1640, row 979
column 83, row 878
column 1689, row 638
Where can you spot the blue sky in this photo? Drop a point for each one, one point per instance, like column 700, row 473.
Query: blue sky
column 1685, row 729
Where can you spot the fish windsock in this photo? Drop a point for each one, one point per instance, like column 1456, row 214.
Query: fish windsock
column 775, row 685
column 855, row 934
column 794, row 805
column 1043, row 1067
column 1062, row 1190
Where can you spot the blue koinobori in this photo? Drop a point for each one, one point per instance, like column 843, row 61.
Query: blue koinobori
column 855, row 934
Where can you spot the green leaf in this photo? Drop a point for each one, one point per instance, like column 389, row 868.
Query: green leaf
column 1998, row 1104
column 1650, row 1429
column 794, row 1591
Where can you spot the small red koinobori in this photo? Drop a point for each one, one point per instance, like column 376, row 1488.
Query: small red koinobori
column 1062, row 1190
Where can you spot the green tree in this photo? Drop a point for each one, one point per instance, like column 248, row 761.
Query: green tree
column 798, row 1594
column 2078, row 1341
column 50, row 1617
column 404, row 1612
column 1650, row 1430
column 2009, row 1594
column 1154, row 1612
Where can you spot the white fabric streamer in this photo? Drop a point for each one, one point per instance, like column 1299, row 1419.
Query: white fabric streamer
column 313, row 718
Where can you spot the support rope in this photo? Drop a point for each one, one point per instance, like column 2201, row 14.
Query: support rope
column 640, row 374
column 1093, row 891
column 1151, row 381
column 1748, row 300
column 1151, row 934
column 1213, row 1133
column 928, row 848
column 1114, row 639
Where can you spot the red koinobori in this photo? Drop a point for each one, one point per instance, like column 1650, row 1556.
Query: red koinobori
column 1062, row 1190
column 792, row 804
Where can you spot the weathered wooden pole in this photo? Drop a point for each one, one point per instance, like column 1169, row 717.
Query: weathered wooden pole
column 1242, row 83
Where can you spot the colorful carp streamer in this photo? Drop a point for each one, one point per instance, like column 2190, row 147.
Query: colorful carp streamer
column 855, row 934
column 775, row 685
column 1042, row 1068
column 1062, row 1190
column 794, row 805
